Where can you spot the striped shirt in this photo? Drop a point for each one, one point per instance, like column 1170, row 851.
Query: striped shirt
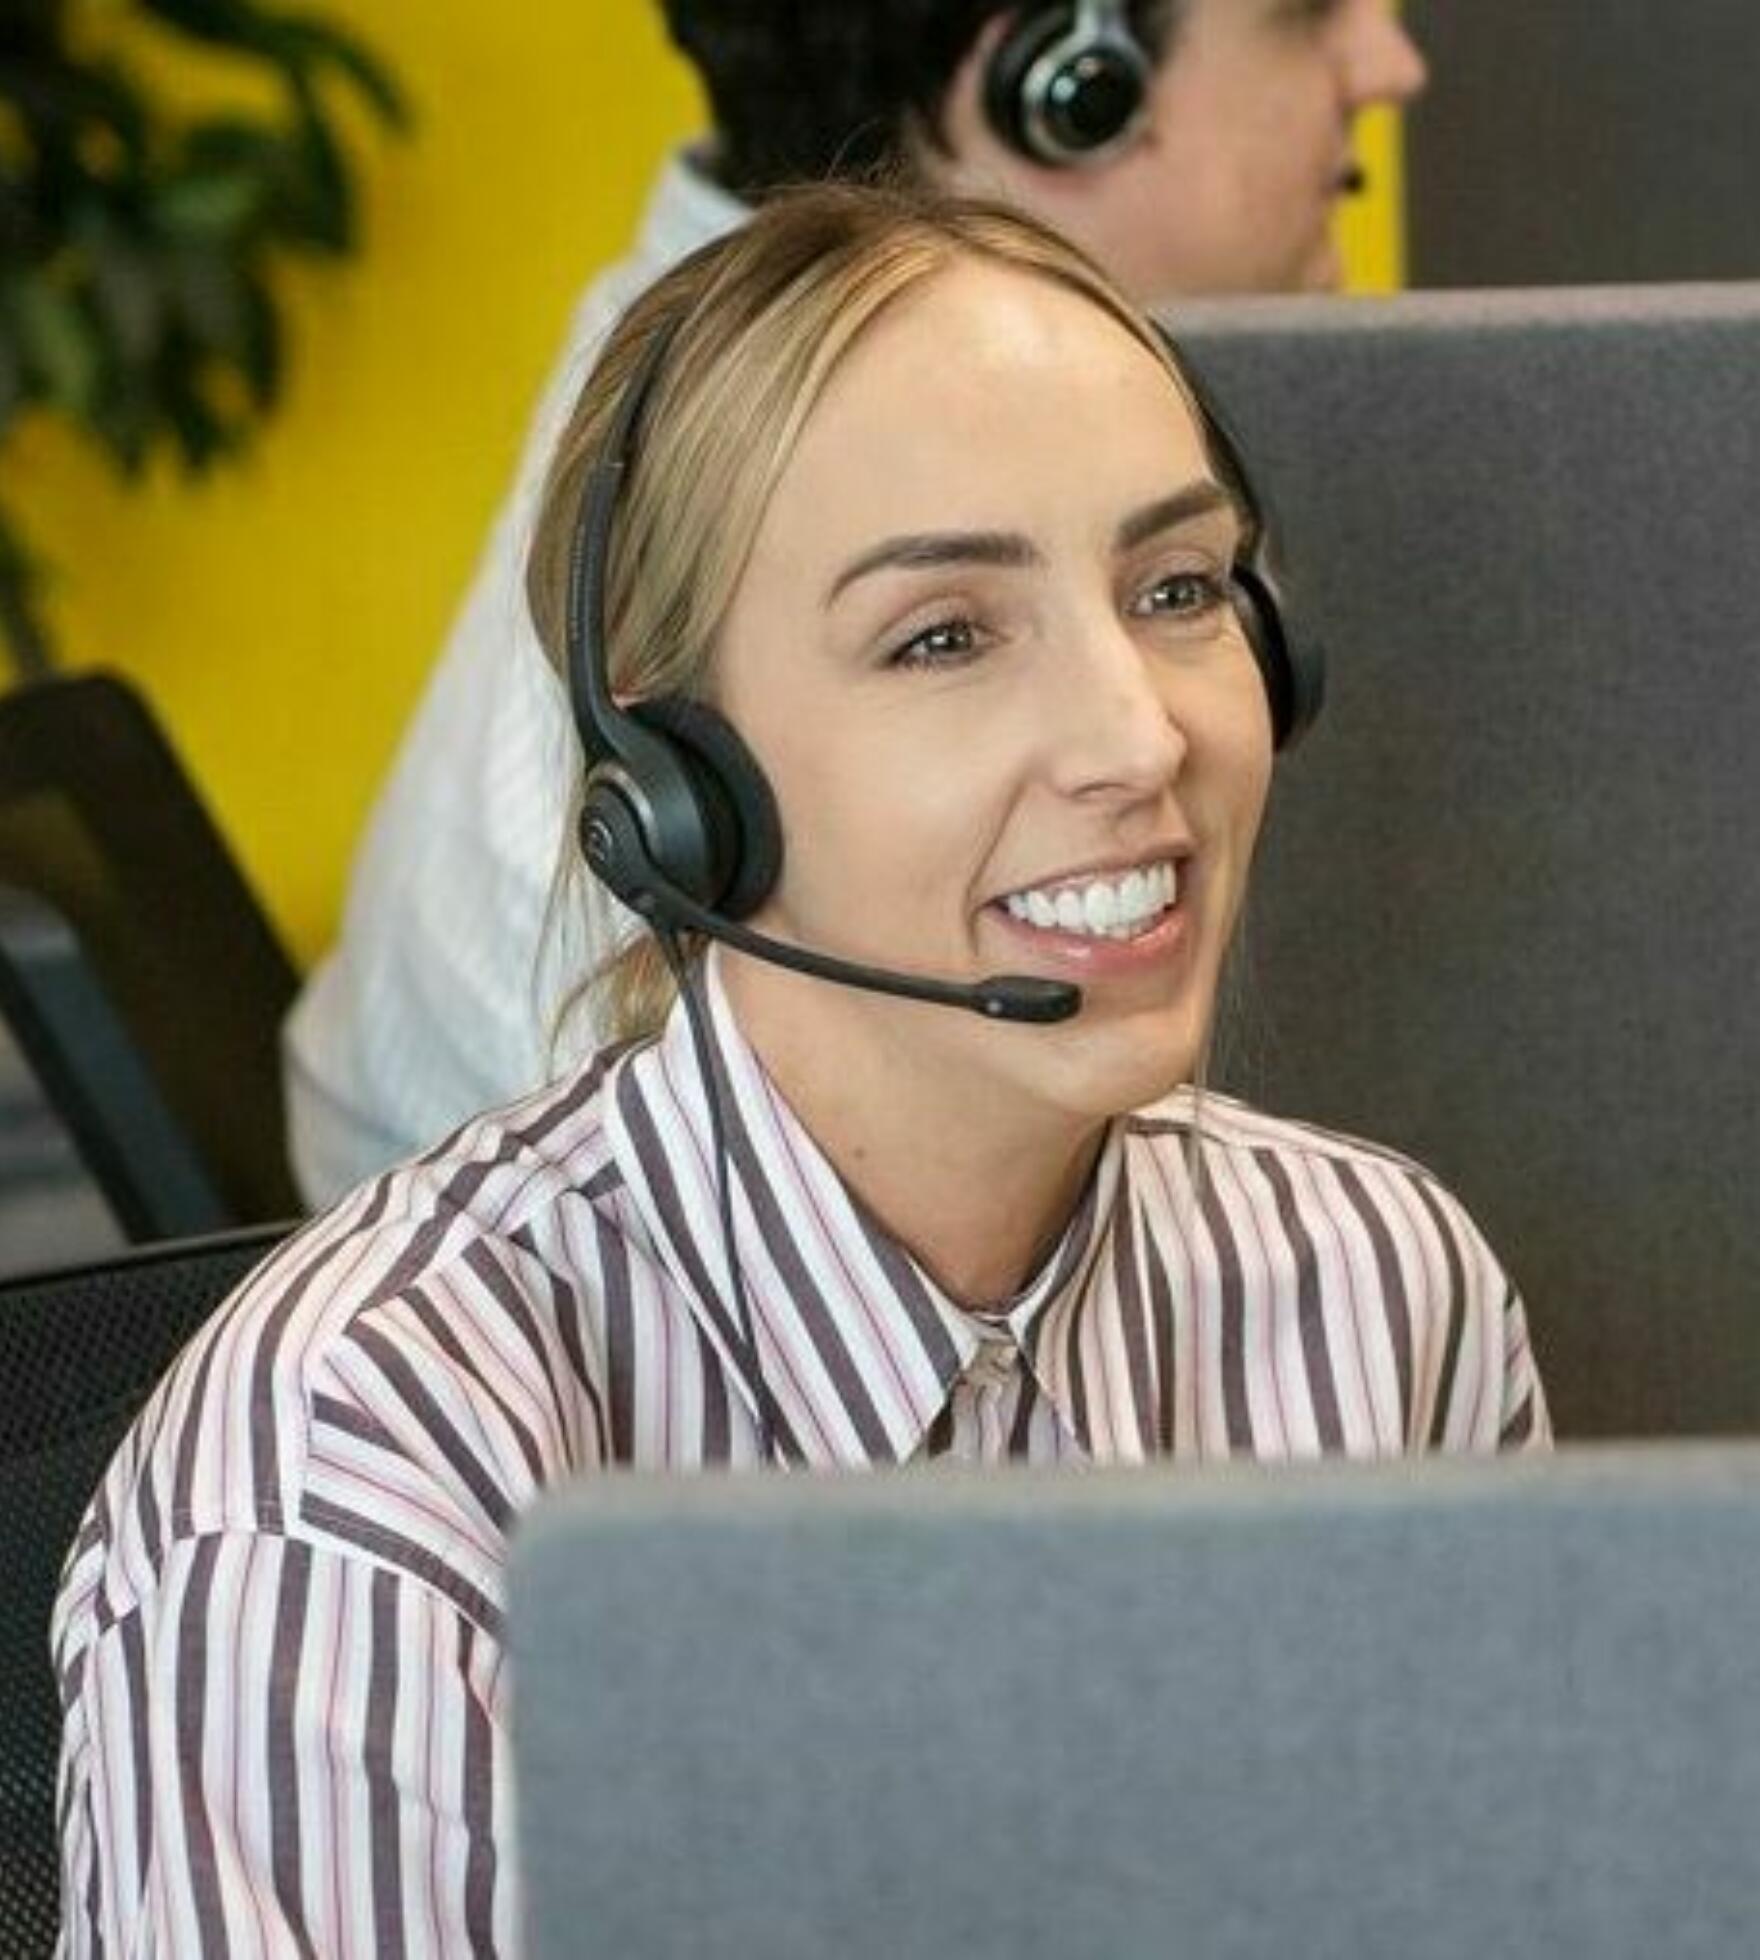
column 279, row 1639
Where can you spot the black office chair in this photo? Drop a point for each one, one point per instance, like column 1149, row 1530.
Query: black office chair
column 80, row 1351
column 138, row 974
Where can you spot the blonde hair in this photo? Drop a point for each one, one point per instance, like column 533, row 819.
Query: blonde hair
column 758, row 322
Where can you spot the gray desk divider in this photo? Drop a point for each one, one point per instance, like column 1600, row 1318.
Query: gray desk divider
column 1508, row 909
column 1465, row 1712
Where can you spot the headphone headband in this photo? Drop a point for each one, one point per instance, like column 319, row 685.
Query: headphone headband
column 597, row 718
column 1293, row 668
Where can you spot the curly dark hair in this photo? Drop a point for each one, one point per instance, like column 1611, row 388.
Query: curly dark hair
column 808, row 89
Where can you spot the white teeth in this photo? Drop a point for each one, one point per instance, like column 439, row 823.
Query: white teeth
column 1100, row 903
column 1104, row 908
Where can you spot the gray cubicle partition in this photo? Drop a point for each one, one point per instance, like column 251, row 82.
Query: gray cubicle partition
column 1583, row 140
column 1508, row 909
column 1464, row 1711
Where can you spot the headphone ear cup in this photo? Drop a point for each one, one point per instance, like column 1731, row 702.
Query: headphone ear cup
column 663, row 823
column 741, row 825
column 1293, row 671
column 1028, row 36
column 614, row 842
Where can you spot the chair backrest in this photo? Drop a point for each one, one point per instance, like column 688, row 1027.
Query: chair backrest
column 79, row 1353
column 142, row 981
column 1448, row 1710
column 1507, row 914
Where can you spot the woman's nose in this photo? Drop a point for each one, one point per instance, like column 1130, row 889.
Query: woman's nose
column 1381, row 61
column 1112, row 733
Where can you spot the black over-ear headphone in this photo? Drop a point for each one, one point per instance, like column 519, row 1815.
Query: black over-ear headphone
column 1292, row 664
column 678, row 819
column 1068, row 84
column 668, row 780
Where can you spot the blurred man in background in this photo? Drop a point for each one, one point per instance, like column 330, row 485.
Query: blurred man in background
column 1191, row 146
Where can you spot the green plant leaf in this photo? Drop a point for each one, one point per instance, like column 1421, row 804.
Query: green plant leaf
column 18, row 223
column 316, row 44
column 127, row 421
column 123, row 425
column 259, row 351
column 315, row 205
column 229, row 23
column 127, row 284
column 206, row 286
column 214, row 203
column 202, row 433
column 63, row 355
column 137, row 242
column 11, row 380
column 55, row 98
column 22, row 627
column 231, row 143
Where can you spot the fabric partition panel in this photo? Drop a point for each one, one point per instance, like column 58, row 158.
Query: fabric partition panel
column 1507, row 910
column 1454, row 1710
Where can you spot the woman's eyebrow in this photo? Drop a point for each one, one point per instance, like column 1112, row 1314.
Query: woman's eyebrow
column 1196, row 499
column 916, row 550
column 920, row 550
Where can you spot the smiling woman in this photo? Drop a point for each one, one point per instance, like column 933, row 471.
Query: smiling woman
column 911, row 615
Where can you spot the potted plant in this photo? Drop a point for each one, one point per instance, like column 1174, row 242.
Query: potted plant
column 137, row 242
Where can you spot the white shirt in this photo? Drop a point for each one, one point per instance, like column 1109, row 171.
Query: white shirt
column 280, row 1639
column 432, row 1004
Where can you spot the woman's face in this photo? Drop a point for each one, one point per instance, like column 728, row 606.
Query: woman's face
column 984, row 651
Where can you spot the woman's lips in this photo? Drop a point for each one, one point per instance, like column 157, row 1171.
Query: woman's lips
column 1096, row 954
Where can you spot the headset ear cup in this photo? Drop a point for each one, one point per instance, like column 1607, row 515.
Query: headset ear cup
column 677, row 835
column 1027, row 37
column 613, row 841
column 1294, row 672
column 743, row 829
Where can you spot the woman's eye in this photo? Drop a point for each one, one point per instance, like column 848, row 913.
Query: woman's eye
column 1183, row 595
column 948, row 643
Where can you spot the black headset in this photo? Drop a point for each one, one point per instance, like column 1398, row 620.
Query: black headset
column 1068, row 84
column 670, row 783
column 679, row 820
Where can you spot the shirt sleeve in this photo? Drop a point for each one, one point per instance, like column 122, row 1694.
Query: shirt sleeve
column 1487, row 1394
column 1525, row 1422
column 291, row 1751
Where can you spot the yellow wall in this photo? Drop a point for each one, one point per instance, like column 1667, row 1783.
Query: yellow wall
column 282, row 614
column 1371, row 228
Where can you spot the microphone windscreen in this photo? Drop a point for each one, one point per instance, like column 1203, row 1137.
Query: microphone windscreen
column 1025, row 997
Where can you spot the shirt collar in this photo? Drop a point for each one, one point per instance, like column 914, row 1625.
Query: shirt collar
column 860, row 1347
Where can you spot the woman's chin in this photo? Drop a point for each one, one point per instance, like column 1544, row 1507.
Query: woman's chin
column 1126, row 1066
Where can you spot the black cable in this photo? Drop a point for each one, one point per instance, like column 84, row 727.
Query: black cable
column 695, row 1014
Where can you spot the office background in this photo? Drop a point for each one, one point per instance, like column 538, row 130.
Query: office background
column 283, row 614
